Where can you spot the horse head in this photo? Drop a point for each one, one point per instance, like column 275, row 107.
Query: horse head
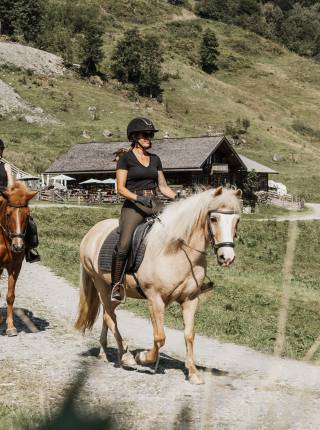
column 222, row 222
column 15, row 214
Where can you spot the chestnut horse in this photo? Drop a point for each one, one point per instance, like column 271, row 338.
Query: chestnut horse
column 14, row 212
column 173, row 269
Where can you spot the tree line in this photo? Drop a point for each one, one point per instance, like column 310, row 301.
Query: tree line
column 296, row 24
column 75, row 31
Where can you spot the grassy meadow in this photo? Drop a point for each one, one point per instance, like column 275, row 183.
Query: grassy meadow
column 275, row 89
column 244, row 306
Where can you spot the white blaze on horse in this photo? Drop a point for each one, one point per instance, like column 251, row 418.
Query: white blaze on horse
column 173, row 269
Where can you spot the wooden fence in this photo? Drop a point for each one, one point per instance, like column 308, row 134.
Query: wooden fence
column 288, row 201
column 78, row 197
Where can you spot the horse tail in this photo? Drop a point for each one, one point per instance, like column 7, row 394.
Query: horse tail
column 89, row 302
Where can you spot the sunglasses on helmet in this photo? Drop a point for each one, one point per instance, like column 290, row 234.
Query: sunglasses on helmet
column 147, row 134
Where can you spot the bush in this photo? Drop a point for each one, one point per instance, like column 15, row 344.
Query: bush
column 77, row 35
column 22, row 18
column 177, row 2
column 216, row 9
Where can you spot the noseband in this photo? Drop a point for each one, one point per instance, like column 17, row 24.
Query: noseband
column 5, row 228
column 217, row 246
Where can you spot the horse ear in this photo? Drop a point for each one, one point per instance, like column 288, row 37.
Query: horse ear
column 238, row 193
column 217, row 191
column 31, row 194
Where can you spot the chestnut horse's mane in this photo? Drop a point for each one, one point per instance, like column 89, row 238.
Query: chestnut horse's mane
column 18, row 185
column 17, row 193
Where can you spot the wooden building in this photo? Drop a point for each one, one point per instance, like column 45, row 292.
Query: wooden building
column 186, row 161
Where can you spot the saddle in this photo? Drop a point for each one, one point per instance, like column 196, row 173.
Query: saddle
column 137, row 250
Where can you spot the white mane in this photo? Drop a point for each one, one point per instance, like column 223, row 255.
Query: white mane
column 179, row 218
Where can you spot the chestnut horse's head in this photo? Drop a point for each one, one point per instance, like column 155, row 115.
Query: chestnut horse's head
column 15, row 213
column 222, row 221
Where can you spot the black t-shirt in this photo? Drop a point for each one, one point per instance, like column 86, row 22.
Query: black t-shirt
column 139, row 176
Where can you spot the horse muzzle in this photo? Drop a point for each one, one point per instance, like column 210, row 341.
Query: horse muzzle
column 17, row 248
column 225, row 262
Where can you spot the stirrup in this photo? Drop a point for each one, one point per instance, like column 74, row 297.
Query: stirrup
column 116, row 293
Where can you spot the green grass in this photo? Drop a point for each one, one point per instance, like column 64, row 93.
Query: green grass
column 244, row 307
column 13, row 418
column 276, row 90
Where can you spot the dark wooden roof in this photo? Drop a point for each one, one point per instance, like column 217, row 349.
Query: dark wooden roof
column 175, row 154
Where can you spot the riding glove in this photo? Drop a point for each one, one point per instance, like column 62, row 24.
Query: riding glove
column 145, row 201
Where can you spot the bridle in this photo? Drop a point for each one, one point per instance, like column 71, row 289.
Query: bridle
column 217, row 246
column 6, row 229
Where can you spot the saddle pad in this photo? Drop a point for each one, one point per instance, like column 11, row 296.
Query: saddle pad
column 137, row 251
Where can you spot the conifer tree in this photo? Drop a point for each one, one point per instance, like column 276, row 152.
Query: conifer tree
column 91, row 47
column 209, row 52
column 126, row 57
column 150, row 81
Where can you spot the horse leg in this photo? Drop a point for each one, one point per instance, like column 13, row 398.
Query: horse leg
column 104, row 338
column 12, row 279
column 110, row 322
column 189, row 308
column 156, row 308
column 125, row 357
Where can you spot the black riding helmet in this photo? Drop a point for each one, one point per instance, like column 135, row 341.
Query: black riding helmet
column 2, row 145
column 138, row 125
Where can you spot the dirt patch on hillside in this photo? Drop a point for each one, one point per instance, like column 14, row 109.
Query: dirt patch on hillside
column 12, row 103
column 27, row 58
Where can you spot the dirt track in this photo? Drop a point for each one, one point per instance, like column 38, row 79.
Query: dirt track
column 244, row 389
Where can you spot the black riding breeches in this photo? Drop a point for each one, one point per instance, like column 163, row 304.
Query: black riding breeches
column 132, row 214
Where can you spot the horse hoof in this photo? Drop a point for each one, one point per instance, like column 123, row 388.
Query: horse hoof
column 140, row 357
column 196, row 379
column 11, row 332
column 128, row 360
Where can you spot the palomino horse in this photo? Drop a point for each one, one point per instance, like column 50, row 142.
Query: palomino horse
column 14, row 214
column 173, row 269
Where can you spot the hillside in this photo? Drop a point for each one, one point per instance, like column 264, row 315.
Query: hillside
column 276, row 90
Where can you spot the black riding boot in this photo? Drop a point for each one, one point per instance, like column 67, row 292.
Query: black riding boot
column 32, row 242
column 118, row 267
column 32, row 256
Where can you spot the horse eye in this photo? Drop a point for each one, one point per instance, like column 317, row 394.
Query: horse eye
column 213, row 218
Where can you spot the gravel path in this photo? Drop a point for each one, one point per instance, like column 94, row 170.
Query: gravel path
column 244, row 389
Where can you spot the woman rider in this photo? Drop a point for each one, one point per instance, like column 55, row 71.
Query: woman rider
column 6, row 180
column 139, row 173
